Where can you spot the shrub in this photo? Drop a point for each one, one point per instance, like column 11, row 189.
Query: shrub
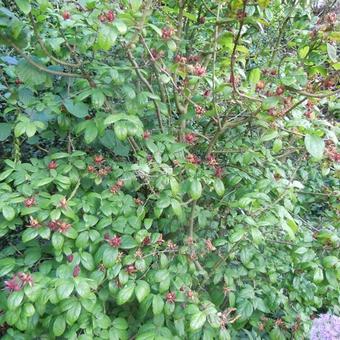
column 170, row 170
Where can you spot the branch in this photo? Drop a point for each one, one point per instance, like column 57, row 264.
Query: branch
column 38, row 66
column 191, row 220
column 147, row 84
column 233, row 60
column 314, row 95
column 44, row 48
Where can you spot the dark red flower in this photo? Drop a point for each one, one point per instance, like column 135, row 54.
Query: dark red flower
column 114, row 241
column 170, row 297
column 199, row 70
column 66, row 15
column 190, row 138
column 211, row 160
column 146, row 241
column 207, row 93
column 120, row 183
column 110, row 16
column 69, row 258
column 193, row 159
column 29, row 202
column 280, row 90
column 52, row 165
column 91, row 169
column 146, row 135
column 26, row 279
column 102, row 18
column 76, row 270
column 218, row 172
column 260, row 85
column 33, row 223
column 199, row 110
column 138, row 201
column 14, row 284
column 98, row 159
column 167, row 33
column 131, row 269
column 59, row 226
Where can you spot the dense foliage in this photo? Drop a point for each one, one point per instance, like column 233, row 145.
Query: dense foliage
column 169, row 169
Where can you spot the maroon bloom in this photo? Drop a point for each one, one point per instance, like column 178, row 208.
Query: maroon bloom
column 52, row 165
column 170, row 297
column 76, row 270
column 29, row 202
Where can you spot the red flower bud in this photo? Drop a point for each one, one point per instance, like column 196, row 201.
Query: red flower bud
column 76, row 270
column 52, row 165
column 66, row 15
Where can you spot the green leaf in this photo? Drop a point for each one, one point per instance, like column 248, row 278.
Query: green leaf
column 142, row 290
column 303, row 51
column 65, row 290
column 176, row 207
column 73, row 313
column 79, row 110
column 109, row 257
column 135, row 4
column 237, row 235
column 331, row 50
column 270, row 102
column 107, row 36
column 121, row 26
column 24, row 6
column 245, row 309
column 269, row 135
column 91, row 133
column 29, row 234
column 125, row 293
column 5, row 131
column 14, row 300
column 318, row 275
column 8, row 213
column 255, row 75
column 120, row 131
column 315, row 146
column 97, row 98
column 277, row 145
column 128, row 242
column 157, row 304
column 57, row 241
column 6, row 265
column 219, row 187
column 87, row 261
column 59, row 326
column 195, row 189
column 197, row 321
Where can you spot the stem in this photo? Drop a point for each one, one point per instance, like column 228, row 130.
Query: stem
column 148, row 85
column 44, row 48
column 191, row 220
column 38, row 66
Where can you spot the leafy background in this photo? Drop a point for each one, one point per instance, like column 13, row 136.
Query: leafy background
column 169, row 170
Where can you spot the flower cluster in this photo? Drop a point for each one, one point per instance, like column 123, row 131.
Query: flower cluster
column 331, row 151
column 29, row 202
column 59, row 226
column 18, row 281
column 326, row 327
column 98, row 168
column 116, row 187
column 108, row 16
column 190, row 138
column 167, row 33
column 114, row 241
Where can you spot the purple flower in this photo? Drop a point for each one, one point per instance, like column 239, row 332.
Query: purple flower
column 326, row 327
